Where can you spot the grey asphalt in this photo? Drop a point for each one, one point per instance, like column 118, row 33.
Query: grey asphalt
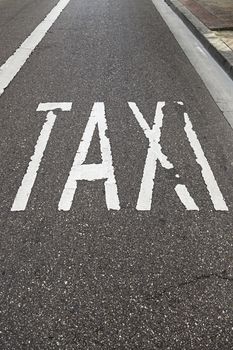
column 91, row 278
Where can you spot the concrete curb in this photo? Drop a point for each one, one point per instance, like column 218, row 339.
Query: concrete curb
column 216, row 47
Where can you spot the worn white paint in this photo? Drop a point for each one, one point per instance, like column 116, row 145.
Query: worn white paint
column 105, row 170
column 29, row 178
column 14, row 63
column 185, row 197
column 155, row 154
column 208, row 176
column 25, row 189
column 92, row 172
column 51, row 106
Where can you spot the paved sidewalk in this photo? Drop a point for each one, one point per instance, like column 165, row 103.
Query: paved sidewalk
column 227, row 37
column 215, row 14
column 212, row 22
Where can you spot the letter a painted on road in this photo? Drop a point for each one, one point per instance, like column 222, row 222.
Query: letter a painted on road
column 92, row 172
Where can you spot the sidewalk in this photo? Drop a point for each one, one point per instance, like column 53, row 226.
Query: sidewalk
column 212, row 22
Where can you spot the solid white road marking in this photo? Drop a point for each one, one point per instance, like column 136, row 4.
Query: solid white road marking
column 28, row 181
column 208, row 176
column 14, row 63
column 92, row 172
column 153, row 155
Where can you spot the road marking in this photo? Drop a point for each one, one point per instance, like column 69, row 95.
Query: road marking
column 51, row 106
column 28, row 181
column 185, row 197
column 155, row 154
column 208, row 176
column 92, row 172
column 14, row 63
column 105, row 170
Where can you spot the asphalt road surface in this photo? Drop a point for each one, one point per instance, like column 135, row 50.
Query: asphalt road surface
column 116, row 185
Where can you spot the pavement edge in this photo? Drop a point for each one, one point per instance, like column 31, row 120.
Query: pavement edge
column 216, row 47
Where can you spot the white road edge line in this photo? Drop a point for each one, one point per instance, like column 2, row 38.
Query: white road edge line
column 15, row 62
column 216, row 80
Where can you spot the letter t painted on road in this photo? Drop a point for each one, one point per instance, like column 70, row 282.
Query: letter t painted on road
column 29, row 178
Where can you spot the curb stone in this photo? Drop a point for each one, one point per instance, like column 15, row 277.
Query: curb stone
column 216, row 47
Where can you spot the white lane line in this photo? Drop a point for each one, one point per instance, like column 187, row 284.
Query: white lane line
column 219, row 84
column 207, row 174
column 92, row 172
column 28, row 181
column 185, row 197
column 14, row 63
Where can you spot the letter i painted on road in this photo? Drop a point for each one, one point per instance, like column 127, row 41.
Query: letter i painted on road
column 207, row 174
column 92, row 172
column 28, row 181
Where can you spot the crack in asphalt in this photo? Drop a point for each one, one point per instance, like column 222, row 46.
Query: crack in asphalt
column 222, row 276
